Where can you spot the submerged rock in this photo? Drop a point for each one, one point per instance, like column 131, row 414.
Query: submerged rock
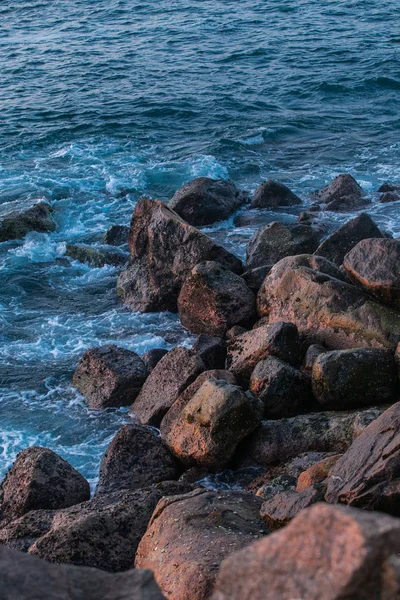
column 25, row 577
column 164, row 249
column 341, row 241
column 213, row 299
column 325, row 553
column 16, row 225
column 96, row 257
column 169, row 378
column 189, row 536
column 276, row 240
column 204, row 200
column 271, row 194
column 40, row 478
column 346, row 379
column 109, row 376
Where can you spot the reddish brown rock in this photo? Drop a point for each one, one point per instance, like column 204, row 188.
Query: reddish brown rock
column 343, row 188
column 345, row 379
column 211, row 425
column 279, row 510
column 341, row 241
column 40, row 478
column 317, row 473
column 375, row 265
column 21, row 533
column 189, row 536
column 284, row 390
column 325, row 553
column 164, row 249
column 276, row 240
column 204, row 200
column 245, row 351
column 213, row 299
column 136, row 458
column 271, row 194
column 25, row 577
column 169, row 378
column 326, row 310
column 109, row 376
column 367, row 475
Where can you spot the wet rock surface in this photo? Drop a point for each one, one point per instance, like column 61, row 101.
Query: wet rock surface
column 16, row 225
column 342, row 193
column 271, row 194
column 116, row 235
column 96, row 257
column 189, row 536
column 110, row 376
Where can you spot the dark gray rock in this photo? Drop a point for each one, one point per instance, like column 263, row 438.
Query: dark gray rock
column 153, row 357
column 16, row 224
column 212, row 351
column 271, row 194
column 96, row 257
column 116, row 235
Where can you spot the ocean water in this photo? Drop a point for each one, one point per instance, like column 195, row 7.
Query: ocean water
column 104, row 101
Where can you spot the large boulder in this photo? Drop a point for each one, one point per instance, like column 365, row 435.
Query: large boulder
column 275, row 442
column 163, row 250
column 367, row 475
column 189, row 536
column 25, row 577
column 103, row 532
column 246, row 350
column 21, row 533
column 204, row 200
column 284, row 390
column 345, row 379
column 375, row 265
column 109, row 376
column 211, row 425
column 136, row 458
column 340, row 242
column 16, row 225
column 40, row 478
column 271, row 194
column 276, row 240
column 279, row 510
column 213, row 299
column 169, row 378
column 326, row 310
column 325, row 553
column 341, row 194
column 96, row 257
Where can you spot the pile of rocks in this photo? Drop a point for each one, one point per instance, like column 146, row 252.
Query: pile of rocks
column 295, row 373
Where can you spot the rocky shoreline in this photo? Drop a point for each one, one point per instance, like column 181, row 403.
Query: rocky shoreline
column 295, row 374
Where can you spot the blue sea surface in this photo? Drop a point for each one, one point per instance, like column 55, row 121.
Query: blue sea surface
column 104, row 101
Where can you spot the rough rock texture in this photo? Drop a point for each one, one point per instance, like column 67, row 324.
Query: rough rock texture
column 389, row 197
column 212, row 351
column 109, row 376
column 235, row 331
column 174, row 413
column 40, row 478
column 211, row 425
column 21, row 533
column 116, row 235
column 16, row 225
column 391, row 578
column 311, row 261
column 213, row 299
column 375, row 265
column 279, row 510
column 103, row 532
column 284, row 390
column 276, row 240
column 25, row 577
column 204, row 200
column 169, row 378
column 311, row 356
column 164, row 249
column 153, row 357
column 317, row 473
column 325, row 553
column 275, row 442
column 136, row 458
column 189, row 536
column 271, row 194
column 341, row 241
column 326, row 310
column 246, row 350
column 254, row 277
column 96, row 257
column 367, row 475
column 343, row 187
column 345, row 379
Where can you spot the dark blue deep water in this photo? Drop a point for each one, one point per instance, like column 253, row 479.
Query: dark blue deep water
column 103, row 101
